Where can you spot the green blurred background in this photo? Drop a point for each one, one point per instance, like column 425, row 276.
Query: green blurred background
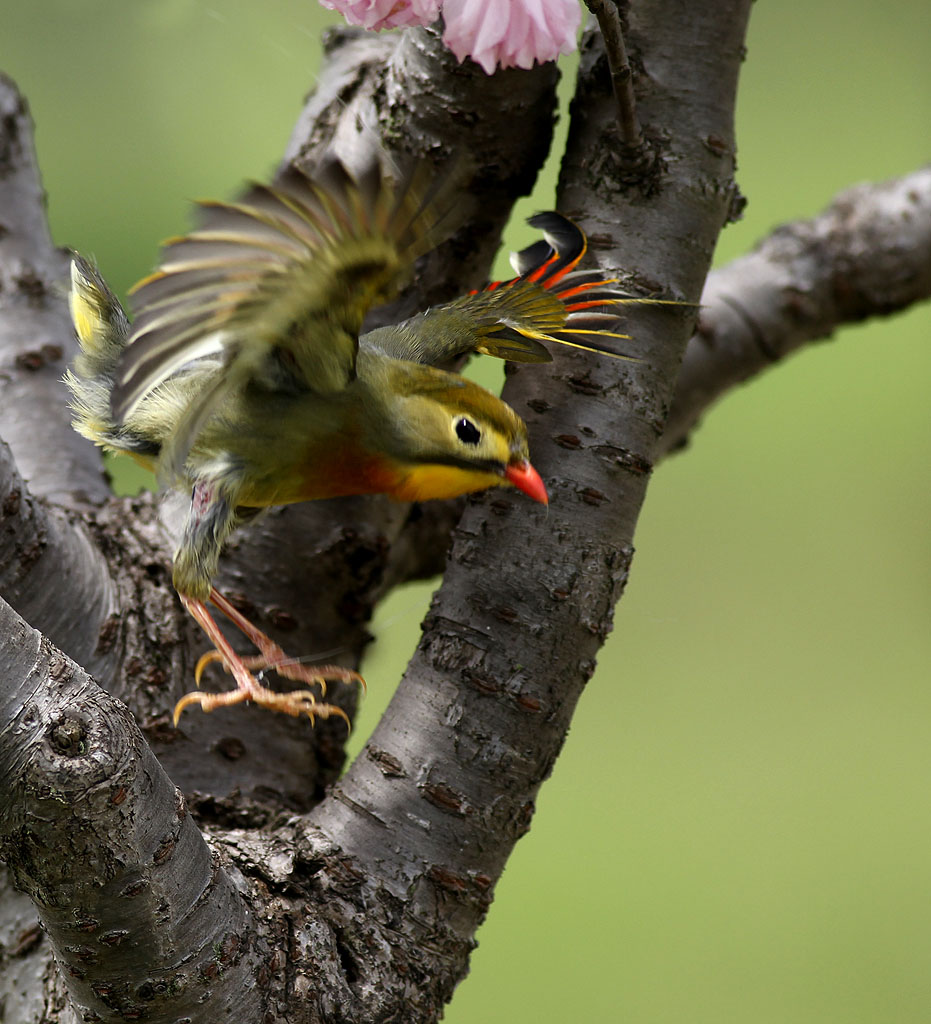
column 738, row 828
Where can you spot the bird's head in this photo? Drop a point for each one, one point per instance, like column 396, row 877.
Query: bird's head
column 450, row 437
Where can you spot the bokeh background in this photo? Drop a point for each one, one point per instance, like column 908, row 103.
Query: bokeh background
column 738, row 828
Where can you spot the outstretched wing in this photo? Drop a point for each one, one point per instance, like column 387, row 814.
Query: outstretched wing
column 549, row 301
column 288, row 271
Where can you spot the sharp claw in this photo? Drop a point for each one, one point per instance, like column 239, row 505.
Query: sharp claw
column 203, row 661
column 194, row 697
column 298, row 702
column 290, row 668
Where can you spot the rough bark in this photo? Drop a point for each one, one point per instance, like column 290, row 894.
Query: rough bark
column 365, row 908
column 80, row 771
column 447, row 783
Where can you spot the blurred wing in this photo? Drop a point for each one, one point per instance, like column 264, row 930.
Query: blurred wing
column 289, row 271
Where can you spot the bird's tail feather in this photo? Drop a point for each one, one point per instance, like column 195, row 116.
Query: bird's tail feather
column 103, row 329
column 577, row 308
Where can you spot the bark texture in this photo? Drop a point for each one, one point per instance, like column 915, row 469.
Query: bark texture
column 295, row 897
column 448, row 781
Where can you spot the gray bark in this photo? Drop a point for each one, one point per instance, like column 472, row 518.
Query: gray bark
column 102, row 843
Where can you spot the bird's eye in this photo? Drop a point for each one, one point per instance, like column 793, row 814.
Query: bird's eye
column 467, row 431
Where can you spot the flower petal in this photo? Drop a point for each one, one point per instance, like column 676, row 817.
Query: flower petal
column 379, row 14
column 510, row 32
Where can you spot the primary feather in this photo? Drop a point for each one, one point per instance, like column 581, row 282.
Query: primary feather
column 284, row 275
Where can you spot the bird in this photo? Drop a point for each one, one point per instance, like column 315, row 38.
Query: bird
column 245, row 380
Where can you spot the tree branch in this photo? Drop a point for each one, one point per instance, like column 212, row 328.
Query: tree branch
column 609, row 22
column 405, row 96
column 376, row 895
column 868, row 254
column 39, row 547
column 447, row 784
column 82, row 789
column 36, row 340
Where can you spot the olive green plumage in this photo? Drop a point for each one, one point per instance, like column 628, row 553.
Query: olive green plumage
column 244, row 373
column 244, row 380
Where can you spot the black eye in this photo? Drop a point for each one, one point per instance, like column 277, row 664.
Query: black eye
column 467, row 431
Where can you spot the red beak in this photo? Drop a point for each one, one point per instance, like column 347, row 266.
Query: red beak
column 525, row 478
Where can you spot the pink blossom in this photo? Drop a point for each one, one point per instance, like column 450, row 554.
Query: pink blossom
column 510, row 32
column 378, row 14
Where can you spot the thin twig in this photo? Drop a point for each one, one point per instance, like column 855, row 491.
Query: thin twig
column 621, row 76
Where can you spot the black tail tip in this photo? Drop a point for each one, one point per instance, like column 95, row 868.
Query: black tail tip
column 560, row 237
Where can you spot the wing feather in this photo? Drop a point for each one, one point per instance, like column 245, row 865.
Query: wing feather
column 293, row 265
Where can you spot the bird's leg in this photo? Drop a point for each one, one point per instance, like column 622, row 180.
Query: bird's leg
column 273, row 656
column 248, row 688
column 214, row 512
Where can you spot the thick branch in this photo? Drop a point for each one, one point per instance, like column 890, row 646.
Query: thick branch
column 868, row 254
column 94, row 831
column 49, row 566
column 405, row 98
column 36, row 340
column 447, row 784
